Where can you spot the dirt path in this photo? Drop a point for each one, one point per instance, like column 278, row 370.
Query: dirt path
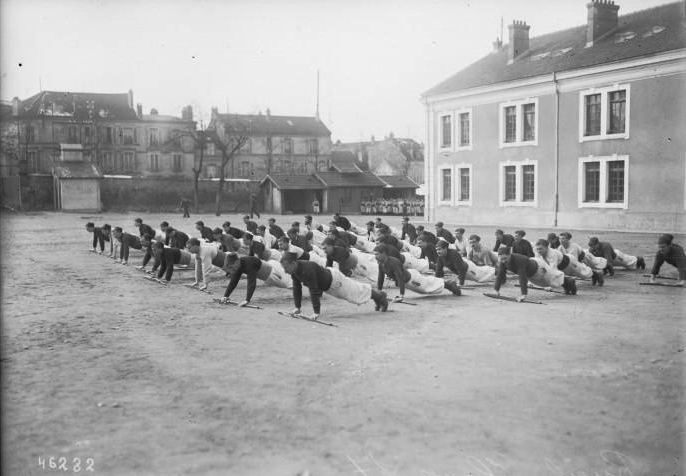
column 99, row 363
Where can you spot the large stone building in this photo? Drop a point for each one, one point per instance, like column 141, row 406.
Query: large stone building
column 277, row 145
column 581, row 128
column 390, row 156
column 117, row 137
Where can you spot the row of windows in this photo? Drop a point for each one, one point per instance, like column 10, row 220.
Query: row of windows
column 603, row 182
column 603, row 114
column 284, row 146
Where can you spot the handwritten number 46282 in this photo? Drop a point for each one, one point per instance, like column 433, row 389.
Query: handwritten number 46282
column 63, row 464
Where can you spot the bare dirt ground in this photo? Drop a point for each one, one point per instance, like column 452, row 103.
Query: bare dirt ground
column 144, row 380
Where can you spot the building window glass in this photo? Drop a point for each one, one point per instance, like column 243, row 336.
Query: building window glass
column 603, row 182
column 72, row 138
column 247, row 147
column 108, row 135
column 465, row 129
column 313, row 146
column 518, row 183
column 446, row 131
column 604, row 113
column 127, row 133
column 129, row 163
column 446, row 185
column 510, row 183
column 154, row 137
column 154, row 163
column 34, row 161
column 465, row 192
column 617, row 111
column 177, row 162
column 518, row 123
column 303, row 167
column 615, row 181
column 528, row 122
column 269, row 145
column 592, row 180
column 592, row 114
column 288, row 145
column 528, row 183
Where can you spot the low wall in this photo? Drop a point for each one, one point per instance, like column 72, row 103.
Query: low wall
column 164, row 193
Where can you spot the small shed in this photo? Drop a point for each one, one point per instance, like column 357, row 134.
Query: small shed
column 291, row 193
column 399, row 186
column 77, row 182
column 346, row 191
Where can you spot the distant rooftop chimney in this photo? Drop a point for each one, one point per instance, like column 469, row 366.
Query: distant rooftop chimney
column 187, row 113
column 139, row 110
column 269, row 114
column 497, row 45
column 602, row 19
column 130, row 98
column 153, row 112
column 15, row 106
column 519, row 40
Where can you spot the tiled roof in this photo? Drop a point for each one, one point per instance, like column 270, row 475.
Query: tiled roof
column 642, row 33
column 76, row 170
column 261, row 124
column 337, row 179
column 295, row 182
column 105, row 107
column 344, row 161
column 398, row 181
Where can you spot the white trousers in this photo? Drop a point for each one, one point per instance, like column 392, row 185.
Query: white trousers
column 415, row 251
column 480, row 274
column 278, row 276
column 625, row 260
column 596, row 263
column 367, row 267
column 547, row 275
column 424, row 284
column 578, row 270
column 421, row 265
column 348, row 289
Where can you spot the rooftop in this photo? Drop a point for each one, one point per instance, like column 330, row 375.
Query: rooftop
column 79, row 106
column 337, row 179
column 263, row 124
column 639, row 34
column 398, row 181
column 295, row 182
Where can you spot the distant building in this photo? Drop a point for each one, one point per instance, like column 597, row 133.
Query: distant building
column 114, row 136
column 9, row 142
column 580, row 128
column 390, row 156
column 276, row 145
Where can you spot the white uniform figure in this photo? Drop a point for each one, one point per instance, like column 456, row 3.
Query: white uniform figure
column 419, row 264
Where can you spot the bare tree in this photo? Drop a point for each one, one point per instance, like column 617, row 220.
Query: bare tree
column 234, row 137
column 199, row 138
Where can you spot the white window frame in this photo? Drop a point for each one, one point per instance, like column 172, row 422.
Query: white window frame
column 450, row 147
column 518, row 124
column 604, row 112
column 458, row 185
column 458, row 129
column 518, row 202
column 440, row 199
column 603, row 182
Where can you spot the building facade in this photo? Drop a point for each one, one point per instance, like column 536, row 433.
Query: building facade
column 115, row 136
column 581, row 128
column 277, row 145
column 390, row 156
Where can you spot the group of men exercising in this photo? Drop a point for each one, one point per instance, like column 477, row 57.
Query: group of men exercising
column 352, row 262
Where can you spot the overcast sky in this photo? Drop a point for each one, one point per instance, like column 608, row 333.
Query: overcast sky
column 375, row 57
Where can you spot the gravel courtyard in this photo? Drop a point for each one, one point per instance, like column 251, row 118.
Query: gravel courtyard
column 134, row 378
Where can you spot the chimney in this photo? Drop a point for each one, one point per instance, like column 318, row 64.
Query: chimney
column 153, row 112
column 269, row 114
column 15, row 106
column 497, row 45
column 187, row 113
column 519, row 40
column 214, row 113
column 130, row 98
column 602, row 19
column 139, row 110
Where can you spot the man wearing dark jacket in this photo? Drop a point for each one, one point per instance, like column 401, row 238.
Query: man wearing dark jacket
column 342, row 221
column 275, row 229
column 409, row 231
column 443, row 233
column 319, row 280
column 233, row 231
column 143, row 228
column 250, row 225
column 205, row 231
column 668, row 252
column 451, row 259
column 346, row 261
column 502, row 238
column 98, row 237
column 522, row 246
column 176, row 239
column 127, row 241
column 271, row 273
column 168, row 257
